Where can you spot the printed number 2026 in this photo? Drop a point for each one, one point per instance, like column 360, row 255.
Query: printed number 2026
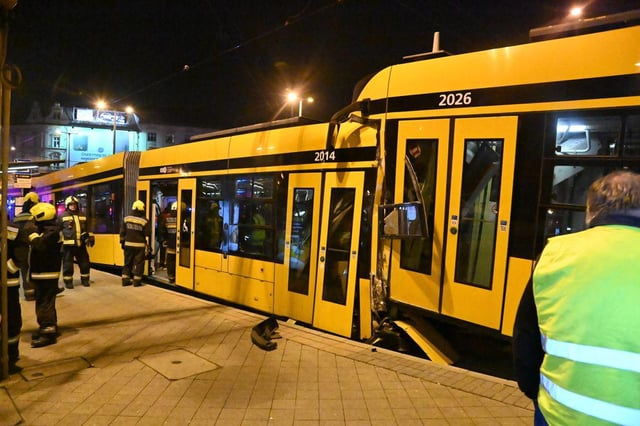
column 453, row 99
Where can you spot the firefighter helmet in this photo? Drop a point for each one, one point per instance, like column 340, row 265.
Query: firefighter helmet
column 30, row 200
column 42, row 212
column 31, row 197
column 174, row 206
column 138, row 205
column 70, row 200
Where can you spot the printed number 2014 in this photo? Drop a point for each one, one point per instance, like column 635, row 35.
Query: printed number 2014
column 321, row 156
column 453, row 99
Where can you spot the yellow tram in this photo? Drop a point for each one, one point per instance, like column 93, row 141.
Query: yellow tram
column 427, row 198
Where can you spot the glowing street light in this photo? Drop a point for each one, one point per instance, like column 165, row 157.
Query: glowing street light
column 576, row 11
column 101, row 105
column 292, row 97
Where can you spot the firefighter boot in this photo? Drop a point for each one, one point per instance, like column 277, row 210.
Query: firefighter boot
column 46, row 336
column 29, row 295
column 68, row 283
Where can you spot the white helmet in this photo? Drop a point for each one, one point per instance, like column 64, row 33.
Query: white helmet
column 70, row 200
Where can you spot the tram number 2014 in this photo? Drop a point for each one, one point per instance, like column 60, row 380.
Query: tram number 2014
column 454, row 99
column 322, row 156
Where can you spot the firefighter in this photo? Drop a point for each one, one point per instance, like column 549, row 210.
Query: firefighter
column 134, row 236
column 24, row 220
column 169, row 228
column 44, row 266
column 75, row 243
column 14, row 312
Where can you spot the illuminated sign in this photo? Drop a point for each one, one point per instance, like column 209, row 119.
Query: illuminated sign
column 99, row 116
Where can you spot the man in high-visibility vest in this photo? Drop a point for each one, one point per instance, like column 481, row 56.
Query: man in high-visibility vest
column 586, row 291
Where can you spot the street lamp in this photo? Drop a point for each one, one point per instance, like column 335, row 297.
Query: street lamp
column 101, row 105
column 292, row 97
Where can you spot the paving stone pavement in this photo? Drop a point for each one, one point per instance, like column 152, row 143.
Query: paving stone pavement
column 150, row 356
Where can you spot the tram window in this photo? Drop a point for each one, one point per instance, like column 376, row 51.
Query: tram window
column 479, row 197
column 416, row 253
column 254, row 187
column 184, row 230
column 98, row 209
column 560, row 222
column 338, row 250
column 300, row 246
column 590, row 135
column 570, row 183
column 103, row 218
column 256, row 214
column 632, row 136
column 211, row 215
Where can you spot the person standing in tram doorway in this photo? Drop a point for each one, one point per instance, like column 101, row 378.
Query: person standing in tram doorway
column 134, row 235
column 586, row 293
column 169, row 229
column 75, row 243
column 24, row 220
column 45, row 260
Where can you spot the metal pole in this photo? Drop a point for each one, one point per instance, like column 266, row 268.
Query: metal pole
column 114, row 130
column 3, row 250
column 300, row 108
column 6, row 101
column 5, row 96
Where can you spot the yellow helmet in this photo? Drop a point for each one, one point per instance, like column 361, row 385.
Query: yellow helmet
column 42, row 212
column 31, row 197
column 138, row 205
column 174, row 206
column 70, row 200
column 30, row 200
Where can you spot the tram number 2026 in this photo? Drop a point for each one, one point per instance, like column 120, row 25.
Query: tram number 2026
column 454, row 99
column 322, row 156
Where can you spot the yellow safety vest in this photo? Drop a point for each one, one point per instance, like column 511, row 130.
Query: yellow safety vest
column 587, row 293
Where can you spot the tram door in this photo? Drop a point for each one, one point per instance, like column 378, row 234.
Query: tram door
column 338, row 254
column 295, row 289
column 416, row 271
column 479, row 217
column 185, row 237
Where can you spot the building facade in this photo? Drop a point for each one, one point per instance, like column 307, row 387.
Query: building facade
column 72, row 135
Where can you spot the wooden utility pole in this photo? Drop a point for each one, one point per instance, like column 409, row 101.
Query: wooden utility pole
column 5, row 96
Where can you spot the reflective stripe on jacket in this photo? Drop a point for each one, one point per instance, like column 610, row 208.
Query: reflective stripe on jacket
column 134, row 231
column 73, row 225
column 586, row 291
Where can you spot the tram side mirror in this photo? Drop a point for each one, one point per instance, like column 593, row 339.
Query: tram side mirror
column 404, row 220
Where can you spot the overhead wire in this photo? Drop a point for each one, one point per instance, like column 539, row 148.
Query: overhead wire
column 291, row 20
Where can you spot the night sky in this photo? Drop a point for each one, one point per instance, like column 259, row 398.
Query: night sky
column 228, row 63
